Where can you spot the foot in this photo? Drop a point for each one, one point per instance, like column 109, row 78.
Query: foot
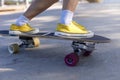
column 26, row 28
column 73, row 30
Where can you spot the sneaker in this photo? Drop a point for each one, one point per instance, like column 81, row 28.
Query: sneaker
column 73, row 30
column 26, row 28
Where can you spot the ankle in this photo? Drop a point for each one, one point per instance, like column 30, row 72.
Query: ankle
column 22, row 20
column 66, row 17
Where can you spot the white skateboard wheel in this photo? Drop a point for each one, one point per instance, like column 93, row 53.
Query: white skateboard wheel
column 13, row 48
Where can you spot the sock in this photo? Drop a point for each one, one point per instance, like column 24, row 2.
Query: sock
column 66, row 17
column 22, row 20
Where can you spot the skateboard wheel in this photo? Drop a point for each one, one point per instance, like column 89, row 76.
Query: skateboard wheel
column 36, row 41
column 87, row 53
column 13, row 48
column 71, row 59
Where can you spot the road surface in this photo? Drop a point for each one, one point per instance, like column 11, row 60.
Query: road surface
column 47, row 61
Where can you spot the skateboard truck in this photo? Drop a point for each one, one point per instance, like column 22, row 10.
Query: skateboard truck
column 79, row 47
column 26, row 42
column 82, row 47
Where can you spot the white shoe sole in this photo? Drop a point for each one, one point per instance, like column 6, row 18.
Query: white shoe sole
column 90, row 34
column 20, row 33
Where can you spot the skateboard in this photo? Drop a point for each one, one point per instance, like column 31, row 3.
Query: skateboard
column 84, row 46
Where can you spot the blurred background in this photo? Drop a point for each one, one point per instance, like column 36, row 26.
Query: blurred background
column 27, row 2
column 14, row 2
column 12, row 5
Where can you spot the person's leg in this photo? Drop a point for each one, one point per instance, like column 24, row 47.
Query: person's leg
column 68, row 9
column 70, row 5
column 67, row 26
column 37, row 7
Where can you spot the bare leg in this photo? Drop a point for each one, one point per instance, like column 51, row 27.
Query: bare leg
column 70, row 5
column 37, row 7
column 68, row 9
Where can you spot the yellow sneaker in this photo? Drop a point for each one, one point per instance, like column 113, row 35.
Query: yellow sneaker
column 26, row 28
column 74, row 30
column 80, row 26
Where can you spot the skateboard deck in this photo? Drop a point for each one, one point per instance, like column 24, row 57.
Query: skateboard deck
column 95, row 38
column 84, row 46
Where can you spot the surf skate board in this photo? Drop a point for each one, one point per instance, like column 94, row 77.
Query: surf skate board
column 84, row 46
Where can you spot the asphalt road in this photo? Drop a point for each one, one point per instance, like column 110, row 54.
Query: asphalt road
column 47, row 61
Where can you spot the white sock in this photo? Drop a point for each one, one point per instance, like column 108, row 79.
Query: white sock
column 22, row 20
column 66, row 17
